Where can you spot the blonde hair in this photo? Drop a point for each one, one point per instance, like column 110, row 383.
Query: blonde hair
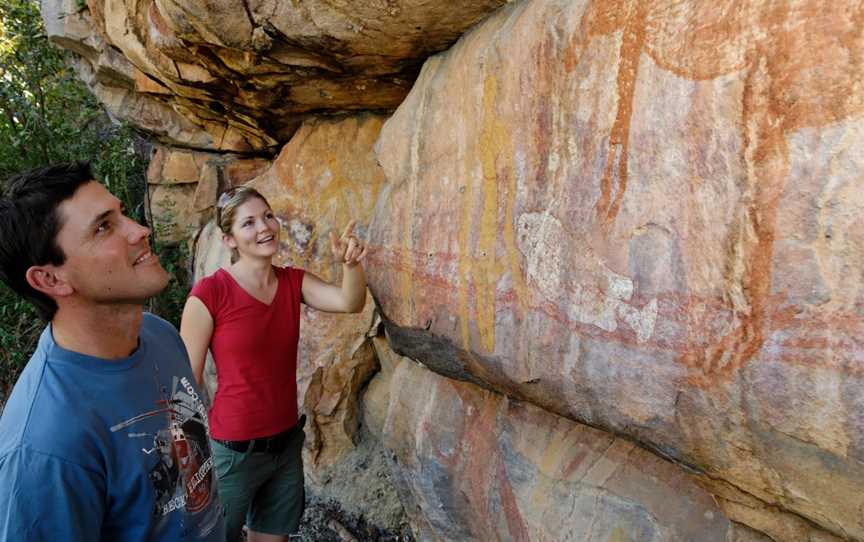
column 226, row 209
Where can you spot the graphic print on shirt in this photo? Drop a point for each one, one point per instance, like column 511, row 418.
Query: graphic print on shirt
column 183, row 475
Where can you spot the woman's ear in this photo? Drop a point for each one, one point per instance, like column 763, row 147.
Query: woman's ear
column 48, row 280
column 229, row 240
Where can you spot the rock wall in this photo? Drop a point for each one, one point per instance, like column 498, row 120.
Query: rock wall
column 183, row 186
column 240, row 75
column 475, row 465
column 648, row 227
column 616, row 286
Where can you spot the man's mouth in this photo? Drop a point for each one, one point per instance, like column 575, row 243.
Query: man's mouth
column 143, row 258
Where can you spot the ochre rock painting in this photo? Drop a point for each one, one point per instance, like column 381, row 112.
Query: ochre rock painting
column 800, row 67
column 646, row 216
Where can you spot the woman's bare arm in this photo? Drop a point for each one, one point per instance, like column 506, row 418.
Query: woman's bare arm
column 196, row 328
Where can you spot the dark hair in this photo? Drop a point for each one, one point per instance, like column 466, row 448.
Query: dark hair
column 29, row 224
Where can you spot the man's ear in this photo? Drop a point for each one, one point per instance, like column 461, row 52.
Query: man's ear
column 48, row 280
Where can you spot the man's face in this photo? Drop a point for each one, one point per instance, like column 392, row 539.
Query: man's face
column 108, row 258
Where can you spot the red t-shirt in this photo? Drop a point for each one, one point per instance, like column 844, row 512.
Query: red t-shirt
column 255, row 349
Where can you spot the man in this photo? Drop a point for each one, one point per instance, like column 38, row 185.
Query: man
column 104, row 437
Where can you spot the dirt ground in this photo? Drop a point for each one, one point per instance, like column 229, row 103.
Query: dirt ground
column 326, row 522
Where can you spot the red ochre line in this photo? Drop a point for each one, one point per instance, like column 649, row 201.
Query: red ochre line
column 803, row 348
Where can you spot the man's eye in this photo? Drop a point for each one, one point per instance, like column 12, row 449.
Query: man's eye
column 103, row 227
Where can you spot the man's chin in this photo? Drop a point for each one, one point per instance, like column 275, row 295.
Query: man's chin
column 160, row 285
column 155, row 286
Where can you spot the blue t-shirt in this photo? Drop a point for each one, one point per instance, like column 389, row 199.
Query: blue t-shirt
column 98, row 450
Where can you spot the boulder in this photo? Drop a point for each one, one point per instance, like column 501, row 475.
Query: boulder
column 647, row 217
column 474, row 465
column 241, row 76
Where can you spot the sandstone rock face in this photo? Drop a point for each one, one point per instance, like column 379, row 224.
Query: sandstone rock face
column 326, row 176
column 127, row 93
column 647, row 216
column 241, row 76
column 183, row 188
column 473, row 465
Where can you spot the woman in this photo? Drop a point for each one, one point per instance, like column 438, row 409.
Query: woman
column 248, row 315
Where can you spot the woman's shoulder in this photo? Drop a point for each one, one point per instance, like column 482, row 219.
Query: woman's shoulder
column 288, row 272
column 210, row 283
column 292, row 275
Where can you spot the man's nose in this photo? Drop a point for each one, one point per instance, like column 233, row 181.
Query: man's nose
column 136, row 231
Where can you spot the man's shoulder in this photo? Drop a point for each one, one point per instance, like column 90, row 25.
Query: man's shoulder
column 154, row 327
column 37, row 414
column 163, row 341
column 22, row 402
column 157, row 324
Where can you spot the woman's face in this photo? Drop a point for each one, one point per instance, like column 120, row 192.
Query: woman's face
column 255, row 231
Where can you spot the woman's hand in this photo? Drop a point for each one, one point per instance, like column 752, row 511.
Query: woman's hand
column 348, row 249
column 350, row 295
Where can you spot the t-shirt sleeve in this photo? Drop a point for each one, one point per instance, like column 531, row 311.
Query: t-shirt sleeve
column 48, row 498
column 295, row 279
column 206, row 290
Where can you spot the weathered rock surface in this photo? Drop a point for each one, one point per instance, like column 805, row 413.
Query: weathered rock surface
column 183, row 187
column 473, row 465
column 326, row 176
column 239, row 75
column 647, row 216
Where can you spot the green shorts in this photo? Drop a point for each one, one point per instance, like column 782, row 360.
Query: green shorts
column 262, row 490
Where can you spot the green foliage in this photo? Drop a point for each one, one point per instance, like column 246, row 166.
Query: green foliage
column 48, row 116
column 19, row 331
column 169, row 303
column 43, row 108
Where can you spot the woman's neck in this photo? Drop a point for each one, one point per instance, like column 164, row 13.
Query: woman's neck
column 257, row 272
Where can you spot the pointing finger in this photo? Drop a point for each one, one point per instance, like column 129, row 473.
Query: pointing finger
column 349, row 229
